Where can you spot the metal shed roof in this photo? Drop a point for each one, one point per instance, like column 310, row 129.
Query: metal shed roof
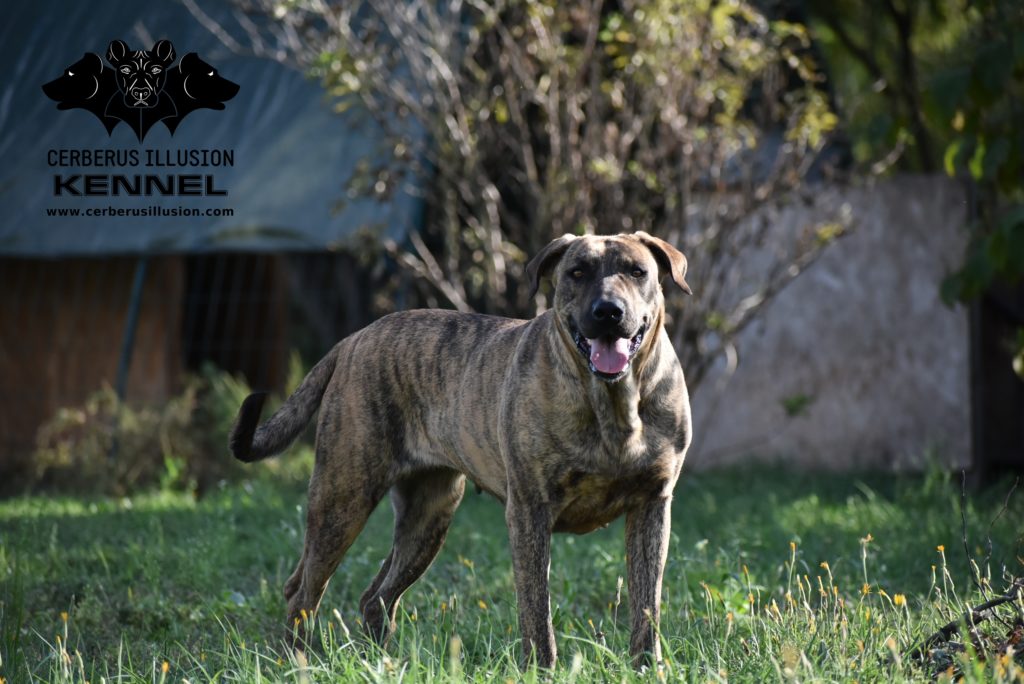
column 292, row 154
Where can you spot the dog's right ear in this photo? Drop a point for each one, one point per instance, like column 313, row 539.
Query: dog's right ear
column 116, row 51
column 541, row 264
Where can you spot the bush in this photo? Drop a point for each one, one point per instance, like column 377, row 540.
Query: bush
column 106, row 446
column 521, row 120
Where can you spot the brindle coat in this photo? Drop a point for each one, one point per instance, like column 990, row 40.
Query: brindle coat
column 420, row 400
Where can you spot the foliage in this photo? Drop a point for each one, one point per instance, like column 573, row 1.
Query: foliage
column 527, row 119
column 983, row 102
column 772, row 576
column 114, row 447
column 107, row 446
column 946, row 80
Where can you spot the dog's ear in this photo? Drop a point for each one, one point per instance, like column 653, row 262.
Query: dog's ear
column 93, row 61
column 541, row 264
column 164, row 51
column 116, row 51
column 668, row 257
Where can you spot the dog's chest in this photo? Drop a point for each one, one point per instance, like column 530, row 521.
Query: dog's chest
column 588, row 501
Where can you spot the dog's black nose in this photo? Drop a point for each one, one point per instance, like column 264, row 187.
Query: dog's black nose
column 607, row 310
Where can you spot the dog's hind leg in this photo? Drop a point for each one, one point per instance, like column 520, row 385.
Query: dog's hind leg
column 411, row 496
column 339, row 505
column 371, row 591
column 424, row 504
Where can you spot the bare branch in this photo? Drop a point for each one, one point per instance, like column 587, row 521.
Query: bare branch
column 972, row 568
column 544, row 118
column 970, row 619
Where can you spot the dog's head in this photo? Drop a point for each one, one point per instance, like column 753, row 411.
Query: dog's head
column 79, row 83
column 608, row 293
column 140, row 73
column 200, row 83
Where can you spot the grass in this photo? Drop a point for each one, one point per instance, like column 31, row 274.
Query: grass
column 772, row 576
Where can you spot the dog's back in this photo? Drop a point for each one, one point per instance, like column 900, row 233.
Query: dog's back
column 407, row 375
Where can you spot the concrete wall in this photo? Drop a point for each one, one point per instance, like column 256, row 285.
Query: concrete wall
column 861, row 340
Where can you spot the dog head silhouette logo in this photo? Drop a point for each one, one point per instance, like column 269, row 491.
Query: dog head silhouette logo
column 86, row 84
column 142, row 88
column 140, row 74
column 194, row 84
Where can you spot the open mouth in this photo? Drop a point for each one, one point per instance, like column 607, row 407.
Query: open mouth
column 608, row 357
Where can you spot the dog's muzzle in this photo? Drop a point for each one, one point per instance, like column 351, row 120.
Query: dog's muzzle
column 608, row 356
column 140, row 97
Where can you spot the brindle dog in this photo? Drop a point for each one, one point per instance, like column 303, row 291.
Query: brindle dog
column 570, row 419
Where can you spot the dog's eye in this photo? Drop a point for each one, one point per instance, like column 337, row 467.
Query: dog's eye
column 70, row 72
column 576, row 273
column 156, row 70
column 210, row 74
column 125, row 70
column 638, row 272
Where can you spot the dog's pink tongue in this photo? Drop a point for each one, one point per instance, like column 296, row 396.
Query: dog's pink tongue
column 609, row 357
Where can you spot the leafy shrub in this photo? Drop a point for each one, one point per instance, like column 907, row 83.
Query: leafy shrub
column 107, row 446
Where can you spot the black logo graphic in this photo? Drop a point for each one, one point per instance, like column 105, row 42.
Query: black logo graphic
column 142, row 89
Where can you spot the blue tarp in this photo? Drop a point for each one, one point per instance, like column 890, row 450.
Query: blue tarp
column 292, row 154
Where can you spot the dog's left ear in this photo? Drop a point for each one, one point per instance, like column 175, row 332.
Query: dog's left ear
column 187, row 61
column 541, row 264
column 96, row 59
column 668, row 257
column 164, row 51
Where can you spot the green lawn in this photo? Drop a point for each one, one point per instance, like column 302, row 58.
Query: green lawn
column 765, row 582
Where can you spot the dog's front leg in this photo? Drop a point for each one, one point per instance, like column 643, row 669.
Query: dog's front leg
column 647, row 533
column 529, row 533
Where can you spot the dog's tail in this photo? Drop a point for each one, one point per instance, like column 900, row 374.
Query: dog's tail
column 251, row 441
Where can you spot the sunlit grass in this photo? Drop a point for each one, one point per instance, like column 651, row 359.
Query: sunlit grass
column 771, row 577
